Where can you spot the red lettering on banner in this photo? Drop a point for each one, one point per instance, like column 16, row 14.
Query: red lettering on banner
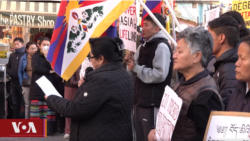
column 126, row 11
column 23, row 128
column 164, row 100
column 123, row 34
column 165, row 129
column 131, row 11
column 173, row 109
column 170, row 106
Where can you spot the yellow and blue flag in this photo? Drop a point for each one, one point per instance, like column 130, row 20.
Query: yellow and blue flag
column 77, row 21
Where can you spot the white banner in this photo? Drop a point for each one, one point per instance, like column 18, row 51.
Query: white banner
column 167, row 115
column 128, row 28
column 228, row 126
column 211, row 15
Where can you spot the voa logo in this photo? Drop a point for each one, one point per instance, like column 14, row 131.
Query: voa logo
column 22, row 127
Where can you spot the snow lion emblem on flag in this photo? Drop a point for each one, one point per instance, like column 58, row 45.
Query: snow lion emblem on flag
column 85, row 22
column 78, row 21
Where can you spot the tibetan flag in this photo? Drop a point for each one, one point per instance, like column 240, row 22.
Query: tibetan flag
column 77, row 21
column 154, row 6
column 111, row 31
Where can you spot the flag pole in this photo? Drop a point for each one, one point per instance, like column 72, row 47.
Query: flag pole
column 173, row 15
column 157, row 22
column 174, row 35
column 173, row 23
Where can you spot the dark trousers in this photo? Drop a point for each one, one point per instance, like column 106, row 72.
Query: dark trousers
column 17, row 99
column 144, row 121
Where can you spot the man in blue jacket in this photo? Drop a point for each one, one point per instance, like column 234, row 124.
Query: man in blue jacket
column 12, row 71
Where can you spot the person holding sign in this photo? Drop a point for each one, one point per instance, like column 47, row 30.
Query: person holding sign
column 197, row 88
column 240, row 98
column 152, row 64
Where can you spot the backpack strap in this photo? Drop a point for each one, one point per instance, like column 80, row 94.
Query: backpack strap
column 212, row 89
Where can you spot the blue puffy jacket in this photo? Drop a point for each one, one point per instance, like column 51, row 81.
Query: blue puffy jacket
column 22, row 74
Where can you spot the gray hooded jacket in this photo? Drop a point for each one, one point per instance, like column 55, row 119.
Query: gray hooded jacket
column 161, row 63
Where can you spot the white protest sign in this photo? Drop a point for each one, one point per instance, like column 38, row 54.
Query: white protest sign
column 167, row 115
column 228, row 126
column 211, row 15
column 128, row 28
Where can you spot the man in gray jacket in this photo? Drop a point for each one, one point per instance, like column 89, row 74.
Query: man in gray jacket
column 152, row 67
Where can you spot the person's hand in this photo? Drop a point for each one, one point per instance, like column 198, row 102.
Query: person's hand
column 80, row 82
column 51, row 71
column 129, row 56
column 131, row 65
column 126, row 58
column 152, row 136
column 45, row 97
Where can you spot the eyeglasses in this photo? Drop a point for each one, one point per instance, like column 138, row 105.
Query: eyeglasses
column 90, row 58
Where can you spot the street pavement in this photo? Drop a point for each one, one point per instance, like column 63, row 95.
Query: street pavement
column 55, row 137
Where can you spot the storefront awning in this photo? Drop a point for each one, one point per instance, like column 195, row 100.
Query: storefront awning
column 29, row 7
column 28, row 14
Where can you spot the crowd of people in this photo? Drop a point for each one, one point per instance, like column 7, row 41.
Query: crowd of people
column 118, row 102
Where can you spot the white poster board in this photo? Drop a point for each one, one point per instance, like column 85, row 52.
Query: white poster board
column 47, row 87
column 128, row 28
column 168, row 114
column 211, row 15
column 228, row 126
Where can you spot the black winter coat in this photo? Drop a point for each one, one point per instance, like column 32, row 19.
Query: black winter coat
column 40, row 67
column 101, row 109
column 239, row 100
column 225, row 73
column 13, row 64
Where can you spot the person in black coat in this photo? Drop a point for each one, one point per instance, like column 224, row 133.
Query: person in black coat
column 225, row 33
column 101, row 109
column 41, row 67
column 12, row 71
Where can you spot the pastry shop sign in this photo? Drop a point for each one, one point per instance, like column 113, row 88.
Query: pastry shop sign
column 27, row 20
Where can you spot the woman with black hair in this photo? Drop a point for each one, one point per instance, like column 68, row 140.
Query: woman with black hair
column 239, row 100
column 41, row 67
column 25, row 74
column 101, row 109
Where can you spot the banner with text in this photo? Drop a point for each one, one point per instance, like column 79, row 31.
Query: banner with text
column 23, row 128
column 233, row 126
column 167, row 115
column 27, row 20
column 128, row 28
column 243, row 7
column 211, row 15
